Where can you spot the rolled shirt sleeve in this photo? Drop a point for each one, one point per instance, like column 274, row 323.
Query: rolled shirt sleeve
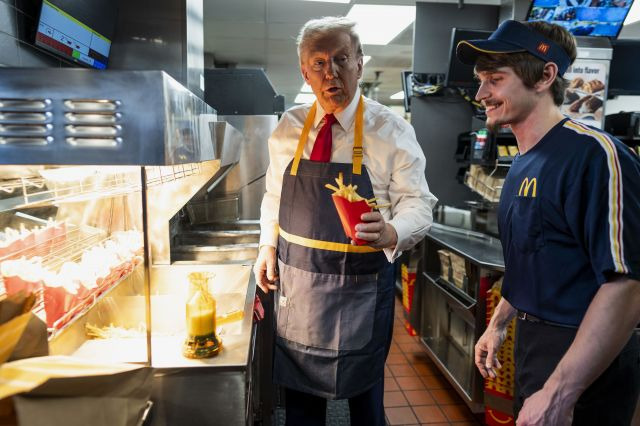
column 411, row 201
column 281, row 151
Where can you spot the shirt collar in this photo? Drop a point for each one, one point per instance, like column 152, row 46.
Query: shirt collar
column 344, row 117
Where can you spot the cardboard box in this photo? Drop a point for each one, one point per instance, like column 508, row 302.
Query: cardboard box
column 445, row 264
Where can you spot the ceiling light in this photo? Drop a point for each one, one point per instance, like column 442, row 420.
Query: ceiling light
column 634, row 14
column 305, row 88
column 379, row 24
column 331, row 1
column 304, row 98
column 399, row 95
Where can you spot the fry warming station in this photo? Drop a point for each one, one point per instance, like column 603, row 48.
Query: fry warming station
column 96, row 169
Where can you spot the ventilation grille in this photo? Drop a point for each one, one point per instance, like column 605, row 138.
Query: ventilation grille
column 25, row 122
column 93, row 123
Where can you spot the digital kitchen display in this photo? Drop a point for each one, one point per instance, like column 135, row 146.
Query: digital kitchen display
column 602, row 18
column 67, row 36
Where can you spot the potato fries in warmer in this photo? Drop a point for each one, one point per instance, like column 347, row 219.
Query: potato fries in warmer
column 349, row 193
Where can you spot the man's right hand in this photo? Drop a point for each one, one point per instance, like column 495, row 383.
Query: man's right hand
column 486, row 351
column 265, row 269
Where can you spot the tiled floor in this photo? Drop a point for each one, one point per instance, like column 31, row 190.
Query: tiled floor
column 415, row 391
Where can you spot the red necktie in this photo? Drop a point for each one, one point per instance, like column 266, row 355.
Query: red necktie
column 322, row 146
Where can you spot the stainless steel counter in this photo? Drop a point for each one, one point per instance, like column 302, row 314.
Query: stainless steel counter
column 452, row 316
column 212, row 391
column 234, row 290
column 480, row 249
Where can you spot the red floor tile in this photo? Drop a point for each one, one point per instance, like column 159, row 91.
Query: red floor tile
column 426, row 369
column 435, row 382
column 398, row 358
column 411, row 347
column 457, row 413
column 387, row 372
column 398, row 330
column 445, row 396
column 390, row 384
column 410, row 383
column 401, row 416
column 395, row 399
column 429, row 414
column 404, row 338
column 402, row 370
column 420, row 357
column 419, row 397
column 415, row 390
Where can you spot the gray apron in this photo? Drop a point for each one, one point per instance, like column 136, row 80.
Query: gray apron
column 334, row 307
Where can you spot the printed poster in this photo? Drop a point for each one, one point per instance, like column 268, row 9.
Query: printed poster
column 585, row 96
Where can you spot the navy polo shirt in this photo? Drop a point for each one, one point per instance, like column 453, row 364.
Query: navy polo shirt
column 569, row 218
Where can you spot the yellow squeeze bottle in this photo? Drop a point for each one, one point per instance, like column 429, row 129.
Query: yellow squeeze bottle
column 202, row 340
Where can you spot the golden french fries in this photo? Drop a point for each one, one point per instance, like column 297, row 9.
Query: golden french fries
column 349, row 192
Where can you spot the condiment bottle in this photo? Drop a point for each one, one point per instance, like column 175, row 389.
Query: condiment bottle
column 202, row 340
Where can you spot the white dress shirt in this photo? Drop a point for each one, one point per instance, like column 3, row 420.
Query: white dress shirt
column 393, row 158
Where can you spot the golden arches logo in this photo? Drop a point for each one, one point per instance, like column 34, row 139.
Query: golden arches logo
column 526, row 185
column 543, row 48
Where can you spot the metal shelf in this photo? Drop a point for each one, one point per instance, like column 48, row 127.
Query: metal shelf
column 33, row 192
column 55, row 252
column 157, row 175
column 79, row 310
column 453, row 293
column 439, row 349
column 59, row 249
column 492, row 193
column 94, row 183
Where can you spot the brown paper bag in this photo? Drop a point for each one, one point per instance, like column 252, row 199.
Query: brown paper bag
column 22, row 333
column 7, row 413
column 67, row 391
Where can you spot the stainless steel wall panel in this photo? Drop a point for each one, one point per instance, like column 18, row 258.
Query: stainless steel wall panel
column 161, row 35
column 144, row 118
column 247, row 178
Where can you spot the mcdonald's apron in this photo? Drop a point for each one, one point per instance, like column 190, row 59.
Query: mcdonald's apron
column 334, row 308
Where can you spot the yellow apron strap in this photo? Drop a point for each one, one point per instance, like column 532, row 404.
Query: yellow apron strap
column 303, row 138
column 325, row 245
column 357, row 138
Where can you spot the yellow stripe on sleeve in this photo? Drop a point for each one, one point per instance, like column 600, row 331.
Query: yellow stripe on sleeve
column 615, row 193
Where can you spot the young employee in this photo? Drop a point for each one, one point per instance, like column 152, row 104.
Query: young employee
column 569, row 224
column 335, row 299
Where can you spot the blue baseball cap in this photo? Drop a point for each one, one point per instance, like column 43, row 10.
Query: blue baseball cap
column 511, row 37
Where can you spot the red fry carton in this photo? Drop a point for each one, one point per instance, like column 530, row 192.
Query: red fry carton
column 350, row 212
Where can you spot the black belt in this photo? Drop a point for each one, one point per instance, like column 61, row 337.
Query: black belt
column 531, row 318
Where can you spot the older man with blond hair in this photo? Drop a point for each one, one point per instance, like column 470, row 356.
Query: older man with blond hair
column 334, row 297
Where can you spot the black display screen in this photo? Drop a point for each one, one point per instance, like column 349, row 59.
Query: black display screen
column 459, row 74
column 78, row 30
column 623, row 71
column 602, row 18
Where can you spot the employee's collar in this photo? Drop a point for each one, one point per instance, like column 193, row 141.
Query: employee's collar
column 344, row 117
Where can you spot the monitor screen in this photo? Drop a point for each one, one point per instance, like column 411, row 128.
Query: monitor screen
column 78, row 30
column 459, row 74
column 603, row 18
column 407, row 88
column 623, row 71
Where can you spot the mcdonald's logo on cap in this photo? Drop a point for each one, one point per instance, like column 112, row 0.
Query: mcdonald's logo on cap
column 527, row 185
column 543, row 48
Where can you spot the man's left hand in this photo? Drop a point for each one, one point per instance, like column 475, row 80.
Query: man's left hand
column 375, row 230
column 544, row 408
